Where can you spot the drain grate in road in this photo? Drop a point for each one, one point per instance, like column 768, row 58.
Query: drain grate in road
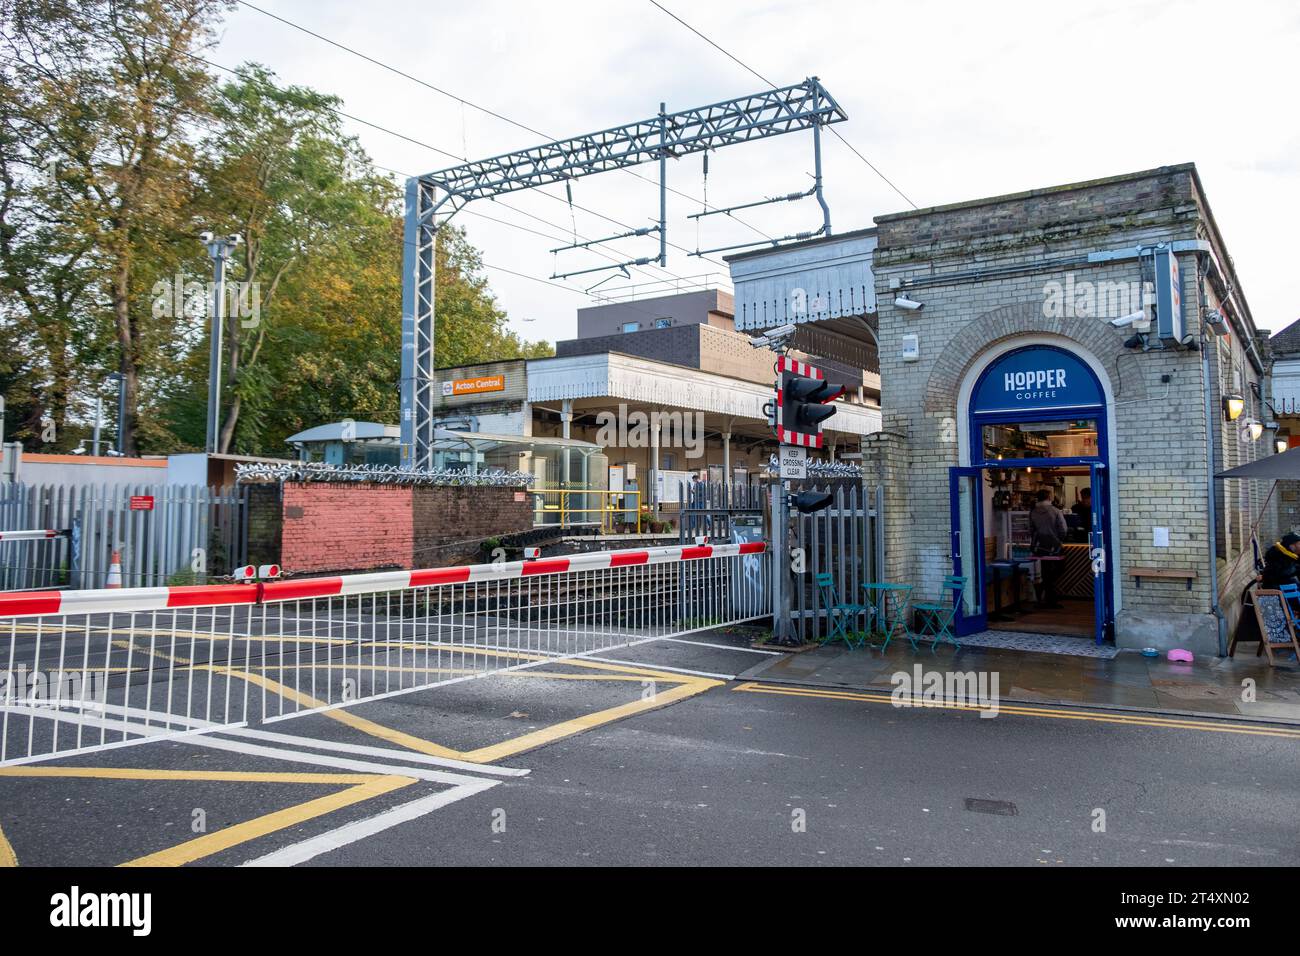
column 1002, row 808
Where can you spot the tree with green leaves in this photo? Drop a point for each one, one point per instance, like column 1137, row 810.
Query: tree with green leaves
column 116, row 150
column 101, row 100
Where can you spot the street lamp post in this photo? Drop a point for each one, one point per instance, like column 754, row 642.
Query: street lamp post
column 219, row 251
column 118, row 443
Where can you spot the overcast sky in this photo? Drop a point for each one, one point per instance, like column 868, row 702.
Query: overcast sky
column 950, row 100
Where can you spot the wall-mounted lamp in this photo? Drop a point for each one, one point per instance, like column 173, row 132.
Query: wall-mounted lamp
column 1233, row 406
column 1281, row 445
column 1251, row 429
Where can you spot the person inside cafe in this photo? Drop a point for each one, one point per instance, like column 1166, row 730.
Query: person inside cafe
column 1282, row 562
column 1082, row 508
column 1048, row 522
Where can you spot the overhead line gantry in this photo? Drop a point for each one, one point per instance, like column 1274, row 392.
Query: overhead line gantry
column 433, row 199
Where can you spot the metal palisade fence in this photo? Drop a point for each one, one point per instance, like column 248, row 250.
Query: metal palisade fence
column 845, row 540
column 162, row 534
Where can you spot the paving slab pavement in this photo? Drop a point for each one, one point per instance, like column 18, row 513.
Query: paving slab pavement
column 1212, row 687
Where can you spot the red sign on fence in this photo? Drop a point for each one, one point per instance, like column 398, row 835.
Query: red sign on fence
column 142, row 502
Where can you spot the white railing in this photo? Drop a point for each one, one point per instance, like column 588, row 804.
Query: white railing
column 89, row 670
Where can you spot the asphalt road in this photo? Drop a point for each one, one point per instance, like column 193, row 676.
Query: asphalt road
column 629, row 764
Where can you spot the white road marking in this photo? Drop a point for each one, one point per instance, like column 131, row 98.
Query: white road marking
column 311, row 743
column 323, row 760
column 349, row 833
column 722, row 647
column 645, row 665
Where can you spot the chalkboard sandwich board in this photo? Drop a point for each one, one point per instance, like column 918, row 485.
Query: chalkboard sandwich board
column 1275, row 624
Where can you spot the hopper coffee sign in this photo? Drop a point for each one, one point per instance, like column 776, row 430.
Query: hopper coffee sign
column 1034, row 378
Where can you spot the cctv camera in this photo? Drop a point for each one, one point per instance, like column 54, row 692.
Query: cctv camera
column 205, row 237
column 234, row 238
column 907, row 302
column 774, row 338
column 1133, row 318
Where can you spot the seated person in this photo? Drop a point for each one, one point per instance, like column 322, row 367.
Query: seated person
column 1282, row 562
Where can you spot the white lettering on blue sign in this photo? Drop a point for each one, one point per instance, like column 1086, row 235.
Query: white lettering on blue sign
column 1042, row 378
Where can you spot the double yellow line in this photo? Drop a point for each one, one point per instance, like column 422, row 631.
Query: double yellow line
column 1136, row 720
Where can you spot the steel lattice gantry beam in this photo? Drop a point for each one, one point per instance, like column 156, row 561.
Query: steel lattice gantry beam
column 434, row 198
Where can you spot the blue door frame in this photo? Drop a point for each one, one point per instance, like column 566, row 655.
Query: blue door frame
column 966, row 510
column 1099, row 551
column 969, row 562
column 1089, row 403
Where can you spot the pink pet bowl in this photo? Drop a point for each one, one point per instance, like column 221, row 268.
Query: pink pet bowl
column 1179, row 654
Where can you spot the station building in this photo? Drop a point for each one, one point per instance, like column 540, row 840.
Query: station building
column 1091, row 341
column 652, row 392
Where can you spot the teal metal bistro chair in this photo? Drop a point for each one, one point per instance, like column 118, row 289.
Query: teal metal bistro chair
column 937, row 616
column 839, row 614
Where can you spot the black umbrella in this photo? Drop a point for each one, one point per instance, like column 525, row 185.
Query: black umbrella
column 1285, row 465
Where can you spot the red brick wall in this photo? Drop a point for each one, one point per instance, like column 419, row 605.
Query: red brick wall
column 363, row 527
column 346, row 527
column 451, row 520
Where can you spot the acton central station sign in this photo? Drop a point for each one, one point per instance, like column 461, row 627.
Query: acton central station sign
column 471, row 386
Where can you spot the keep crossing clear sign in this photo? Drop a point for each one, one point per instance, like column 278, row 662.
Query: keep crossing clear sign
column 794, row 462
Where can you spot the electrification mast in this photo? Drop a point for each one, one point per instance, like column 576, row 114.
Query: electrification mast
column 432, row 199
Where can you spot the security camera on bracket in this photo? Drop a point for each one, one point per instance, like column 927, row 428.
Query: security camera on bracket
column 1140, row 322
column 774, row 339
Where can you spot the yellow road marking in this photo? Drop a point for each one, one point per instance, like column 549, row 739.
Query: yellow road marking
column 172, row 658
column 552, row 675
column 365, row 786
column 7, row 856
column 410, row 742
column 358, row 787
column 270, row 668
column 1058, row 714
column 546, row 735
column 219, row 776
column 646, row 671
column 228, row 837
column 685, row 687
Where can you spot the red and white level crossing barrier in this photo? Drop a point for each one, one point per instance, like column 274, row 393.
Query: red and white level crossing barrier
column 36, row 535
column 97, row 601
column 123, row 666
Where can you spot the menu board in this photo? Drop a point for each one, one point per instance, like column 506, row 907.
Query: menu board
column 1274, row 624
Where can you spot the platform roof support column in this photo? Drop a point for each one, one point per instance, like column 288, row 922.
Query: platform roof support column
column 566, row 430
column 654, row 464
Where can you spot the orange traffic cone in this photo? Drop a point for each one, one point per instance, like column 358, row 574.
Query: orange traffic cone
column 114, row 571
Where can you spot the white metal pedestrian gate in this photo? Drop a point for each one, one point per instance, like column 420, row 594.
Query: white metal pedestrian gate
column 88, row 670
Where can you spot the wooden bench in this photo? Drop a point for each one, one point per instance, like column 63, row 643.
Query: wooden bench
column 1168, row 574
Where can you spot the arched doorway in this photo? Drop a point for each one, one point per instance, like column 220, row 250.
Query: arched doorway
column 1031, row 504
